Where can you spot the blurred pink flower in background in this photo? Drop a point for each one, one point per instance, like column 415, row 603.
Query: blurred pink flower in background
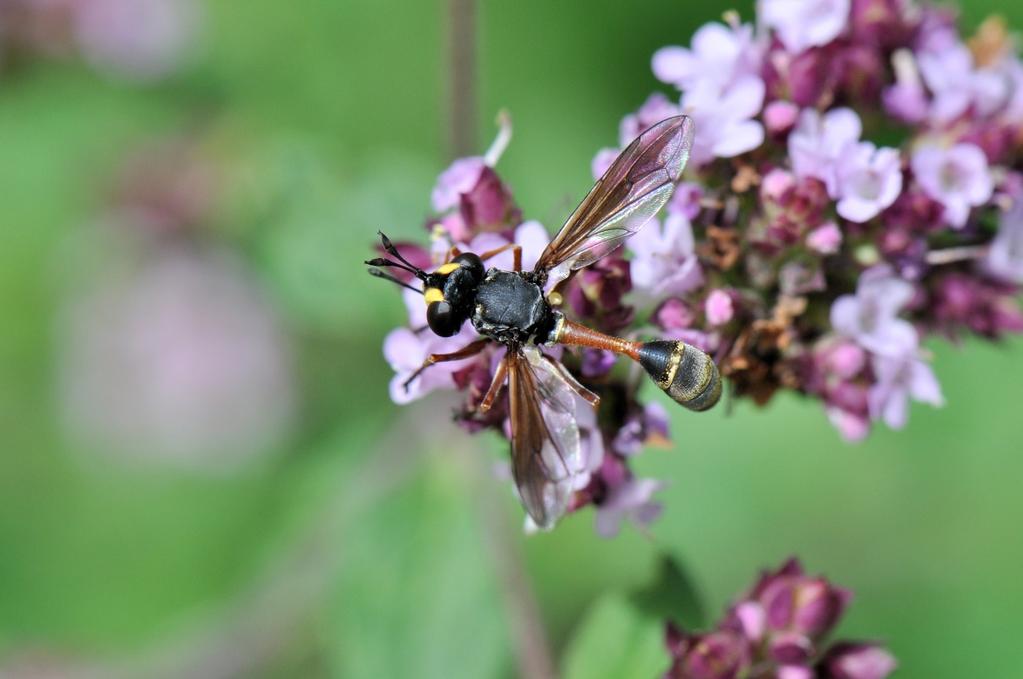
column 140, row 40
column 136, row 39
column 181, row 359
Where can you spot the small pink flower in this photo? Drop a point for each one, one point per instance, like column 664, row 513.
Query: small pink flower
column 957, row 177
column 725, row 121
column 869, row 180
column 871, row 315
column 801, row 24
column 405, row 350
column 664, row 259
column 721, row 54
column 818, row 142
column 899, row 379
column 631, row 500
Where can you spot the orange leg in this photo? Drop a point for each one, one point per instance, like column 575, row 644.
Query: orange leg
column 452, row 253
column 579, row 389
column 516, row 254
column 465, row 352
column 500, row 375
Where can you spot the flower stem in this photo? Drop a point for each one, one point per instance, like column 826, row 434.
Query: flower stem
column 462, row 77
column 953, row 255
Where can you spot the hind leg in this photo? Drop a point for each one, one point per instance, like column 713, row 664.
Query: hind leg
column 465, row 352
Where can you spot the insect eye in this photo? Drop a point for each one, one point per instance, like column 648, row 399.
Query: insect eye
column 441, row 319
column 471, row 262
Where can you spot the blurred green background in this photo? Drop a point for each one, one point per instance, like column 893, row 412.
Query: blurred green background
column 371, row 540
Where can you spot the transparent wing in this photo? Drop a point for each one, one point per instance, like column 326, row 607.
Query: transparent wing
column 638, row 184
column 546, row 454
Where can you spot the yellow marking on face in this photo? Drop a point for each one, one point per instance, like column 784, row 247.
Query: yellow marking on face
column 555, row 299
column 445, row 269
column 432, row 295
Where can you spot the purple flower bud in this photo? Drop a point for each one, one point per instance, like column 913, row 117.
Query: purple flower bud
column 598, row 291
column 826, row 239
column 916, row 212
column 596, row 362
column 719, row 308
column 845, row 360
column 674, row 314
column 718, row 655
column 807, row 77
column 752, row 619
column 984, row 307
column 880, row 23
column 803, row 605
column 905, row 102
column 488, row 204
column 790, row 648
column 458, row 179
column 780, row 117
column 685, row 201
column 794, row 672
column 857, row 661
column 648, row 426
column 861, row 72
column 1005, row 258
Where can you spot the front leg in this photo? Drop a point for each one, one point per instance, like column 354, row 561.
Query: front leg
column 500, row 375
column 465, row 352
column 516, row 254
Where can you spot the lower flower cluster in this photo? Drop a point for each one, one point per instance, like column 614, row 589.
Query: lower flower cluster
column 778, row 630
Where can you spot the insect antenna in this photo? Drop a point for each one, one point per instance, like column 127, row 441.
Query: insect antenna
column 393, row 251
column 388, row 277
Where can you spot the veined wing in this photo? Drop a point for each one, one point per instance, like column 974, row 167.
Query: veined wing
column 546, row 454
column 638, row 184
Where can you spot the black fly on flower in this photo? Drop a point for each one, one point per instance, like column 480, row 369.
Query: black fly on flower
column 520, row 311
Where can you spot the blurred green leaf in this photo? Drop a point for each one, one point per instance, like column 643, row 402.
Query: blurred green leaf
column 617, row 641
column 672, row 595
column 415, row 597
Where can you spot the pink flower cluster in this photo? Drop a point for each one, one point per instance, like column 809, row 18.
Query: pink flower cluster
column 856, row 185
column 778, row 630
column 849, row 194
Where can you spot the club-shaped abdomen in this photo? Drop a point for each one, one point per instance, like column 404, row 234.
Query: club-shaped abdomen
column 683, row 372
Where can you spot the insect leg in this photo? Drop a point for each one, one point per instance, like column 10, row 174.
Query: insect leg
column 516, row 254
column 500, row 375
column 465, row 352
column 572, row 382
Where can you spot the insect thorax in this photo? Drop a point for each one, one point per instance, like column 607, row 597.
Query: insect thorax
column 512, row 309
